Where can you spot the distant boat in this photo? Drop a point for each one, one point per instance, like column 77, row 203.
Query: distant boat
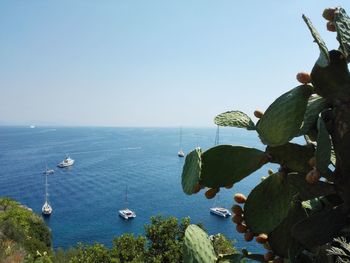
column 46, row 209
column 32, row 126
column 126, row 213
column 48, row 171
column 66, row 162
column 180, row 153
column 220, row 211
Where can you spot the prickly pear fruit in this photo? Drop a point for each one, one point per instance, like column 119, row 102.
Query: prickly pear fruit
column 241, row 228
column 313, row 176
column 197, row 188
column 312, row 162
column 331, row 27
column 303, row 77
column 240, row 198
column 237, row 210
column 269, row 256
column 237, row 219
column 229, row 186
column 258, row 114
column 211, row 193
column 262, row 238
column 248, row 236
column 328, row 14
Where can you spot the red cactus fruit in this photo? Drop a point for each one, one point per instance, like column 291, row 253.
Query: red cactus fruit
column 237, row 210
column 269, row 256
column 261, row 238
column 248, row 236
column 229, row 186
column 240, row 198
column 331, row 27
column 313, row 176
column 328, row 14
column 303, row 77
column 312, row 162
column 259, row 114
column 241, row 228
column 197, row 188
column 211, row 193
column 237, row 219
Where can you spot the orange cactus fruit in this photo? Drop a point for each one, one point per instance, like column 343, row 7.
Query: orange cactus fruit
column 229, row 186
column 269, row 256
column 237, row 210
column 261, row 238
column 248, row 236
column 329, row 14
column 240, row 198
column 211, row 193
column 237, row 219
column 259, row 114
column 331, row 27
column 303, row 77
column 313, row 176
column 241, row 228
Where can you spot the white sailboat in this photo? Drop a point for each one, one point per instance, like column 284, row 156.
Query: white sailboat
column 126, row 213
column 66, row 162
column 46, row 209
column 48, row 171
column 180, row 153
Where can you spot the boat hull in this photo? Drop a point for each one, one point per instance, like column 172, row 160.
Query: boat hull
column 223, row 212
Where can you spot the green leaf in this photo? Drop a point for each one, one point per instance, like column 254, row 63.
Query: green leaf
column 236, row 119
column 191, row 171
column 280, row 239
column 197, row 246
column 315, row 105
column 342, row 25
column 282, row 120
column 268, row 204
column 320, row 227
column 293, row 156
column 226, row 164
column 323, row 59
column 323, row 149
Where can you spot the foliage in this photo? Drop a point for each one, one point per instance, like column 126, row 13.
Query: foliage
column 299, row 210
column 128, row 248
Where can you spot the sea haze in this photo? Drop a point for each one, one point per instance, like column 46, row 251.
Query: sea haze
column 86, row 197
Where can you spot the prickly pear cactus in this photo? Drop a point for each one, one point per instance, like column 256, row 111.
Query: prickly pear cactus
column 197, row 246
column 300, row 212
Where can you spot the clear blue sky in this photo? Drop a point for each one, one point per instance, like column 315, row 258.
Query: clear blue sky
column 150, row 63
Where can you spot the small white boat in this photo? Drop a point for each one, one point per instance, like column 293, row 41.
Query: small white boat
column 220, row 211
column 180, row 153
column 126, row 213
column 48, row 171
column 32, row 126
column 66, row 162
column 46, row 209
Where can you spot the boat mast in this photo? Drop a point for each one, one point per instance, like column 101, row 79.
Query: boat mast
column 46, row 188
column 126, row 196
column 217, row 136
column 180, row 138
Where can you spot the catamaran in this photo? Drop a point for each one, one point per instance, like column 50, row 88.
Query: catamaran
column 126, row 213
column 46, row 209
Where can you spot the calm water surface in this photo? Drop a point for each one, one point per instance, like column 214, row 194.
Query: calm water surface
column 86, row 197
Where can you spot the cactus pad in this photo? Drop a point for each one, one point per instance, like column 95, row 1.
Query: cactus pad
column 320, row 227
column 283, row 118
column 191, row 171
column 236, row 119
column 226, row 164
column 268, row 204
column 197, row 246
column 342, row 24
column 280, row 239
column 324, row 59
column 314, row 106
column 323, row 149
column 293, row 156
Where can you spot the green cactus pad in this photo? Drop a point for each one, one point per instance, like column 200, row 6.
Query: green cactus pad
column 314, row 106
column 308, row 191
column 293, row 156
column 283, row 118
column 342, row 25
column 226, row 164
column 236, row 119
column 323, row 149
column 320, row 227
column 233, row 258
column 191, row 171
column 323, row 60
column 268, row 204
column 197, row 246
column 280, row 239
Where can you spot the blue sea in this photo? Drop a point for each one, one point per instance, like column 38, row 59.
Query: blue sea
column 86, row 197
